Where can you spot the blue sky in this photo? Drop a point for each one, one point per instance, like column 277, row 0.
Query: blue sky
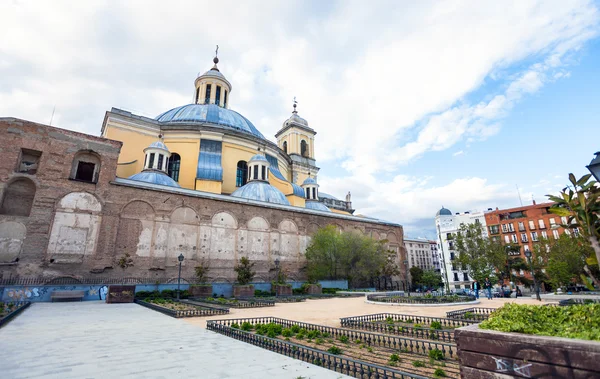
column 416, row 104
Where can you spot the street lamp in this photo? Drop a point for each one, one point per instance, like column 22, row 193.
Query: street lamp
column 180, row 259
column 594, row 166
column 535, row 286
column 406, row 276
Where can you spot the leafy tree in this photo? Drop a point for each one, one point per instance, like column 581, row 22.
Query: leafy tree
column 581, row 204
column 566, row 258
column 416, row 274
column 431, row 278
column 244, row 271
column 481, row 256
column 324, row 254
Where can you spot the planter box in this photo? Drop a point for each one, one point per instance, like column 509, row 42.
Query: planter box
column 491, row 354
column 282, row 290
column 120, row 294
column 314, row 289
column 201, row 290
column 243, row 291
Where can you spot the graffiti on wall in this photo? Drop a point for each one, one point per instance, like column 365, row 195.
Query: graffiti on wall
column 25, row 293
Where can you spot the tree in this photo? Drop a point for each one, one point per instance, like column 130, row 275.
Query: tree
column 566, row 258
column 324, row 254
column 244, row 271
column 431, row 279
column 481, row 256
column 201, row 272
column 416, row 274
column 581, row 204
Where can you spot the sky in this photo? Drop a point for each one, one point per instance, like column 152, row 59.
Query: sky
column 469, row 105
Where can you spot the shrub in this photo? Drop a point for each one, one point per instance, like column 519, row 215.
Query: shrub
column 409, row 321
column 575, row 321
column 394, row 358
column 469, row 315
column 389, row 320
column 287, row 332
column 319, row 341
column 343, row 339
column 418, row 364
column 436, row 354
column 436, row 325
column 246, row 326
column 271, row 333
column 273, row 328
column 235, row 325
column 418, row 326
column 244, row 271
column 357, row 342
column 439, row 373
column 300, row 335
column 313, row 334
column 334, row 350
column 325, row 334
column 167, row 293
column 295, row 329
column 433, row 336
column 370, row 349
column 201, row 272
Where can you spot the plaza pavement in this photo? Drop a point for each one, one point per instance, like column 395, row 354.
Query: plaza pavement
column 98, row 340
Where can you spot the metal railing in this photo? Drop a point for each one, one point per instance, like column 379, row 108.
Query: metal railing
column 577, row 301
column 357, row 321
column 252, row 303
column 443, row 335
column 351, row 367
column 475, row 313
column 408, row 345
column 183, row 313
column 21, row 306
column 421, row 299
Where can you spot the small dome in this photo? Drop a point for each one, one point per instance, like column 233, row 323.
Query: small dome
column 444, row 212
column 316, row 205
column 158, row 145
column 210, row 114
column 258, row 158
column 261, row 191
column 295, row 119
column 154, row 177
column 309, row 180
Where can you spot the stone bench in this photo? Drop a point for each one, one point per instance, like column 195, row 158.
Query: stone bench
column 67, row 295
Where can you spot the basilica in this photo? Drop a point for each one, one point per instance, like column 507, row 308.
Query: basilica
column 199, row 180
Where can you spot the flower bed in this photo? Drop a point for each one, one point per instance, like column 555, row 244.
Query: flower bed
column 421, row 300
column 477, row 313
column 8, row 311
column 412, row 356
column 178, row 309
column 428, row 331
column 371, row 321
column 236, row 303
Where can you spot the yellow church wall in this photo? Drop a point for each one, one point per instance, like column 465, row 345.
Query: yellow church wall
column 338, row 211
column 134, row 144
column 126, row 170
column 284, row 187
column 208, row 186
column 231, row 155
column 188, row 150
column 296, row 201
column 302, row 177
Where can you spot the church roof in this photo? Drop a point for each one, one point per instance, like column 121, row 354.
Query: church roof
column 444, row 212
column 158, row 145
column 261, row 191
column 211, row 114
column 316, row 205
column 154, row 177
column 258, row 158
column 309, row 180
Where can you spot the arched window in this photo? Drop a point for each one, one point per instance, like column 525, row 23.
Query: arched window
column 18, row 198
column 85, row 167
column 303, row 148
column 241, row 174
column 173, row 167
column 285, row 147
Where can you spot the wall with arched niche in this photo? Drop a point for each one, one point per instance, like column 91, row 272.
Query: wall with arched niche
column 183, row 234
column 12, row 236
column 75, row 228
column 136, row 230
column 257, row 239
column 289, row 243
column 223, row 238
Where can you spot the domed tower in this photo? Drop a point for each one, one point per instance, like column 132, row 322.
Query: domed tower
column 212, row 87
column 155, row 166
column 311, row 193
column 258, row 187
column 297, row 140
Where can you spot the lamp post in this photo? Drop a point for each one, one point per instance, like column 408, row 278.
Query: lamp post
column 594, row 166
column 180, row 259
column 406, row 276
column 443, row 259
column 535, row 286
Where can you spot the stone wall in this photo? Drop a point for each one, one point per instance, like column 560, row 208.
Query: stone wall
column 121, row 228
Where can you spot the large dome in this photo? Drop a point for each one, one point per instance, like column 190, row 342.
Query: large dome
column 316, row 205
column 210, row 114
column 261, row 191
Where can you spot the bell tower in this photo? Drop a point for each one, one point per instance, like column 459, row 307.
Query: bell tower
column 297, row 140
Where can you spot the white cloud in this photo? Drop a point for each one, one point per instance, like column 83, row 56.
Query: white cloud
column 460, row 152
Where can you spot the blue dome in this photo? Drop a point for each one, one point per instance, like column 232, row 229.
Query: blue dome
column 258, row 157
column 158, row 145
column 444, row 212
column 309, row 181
column 261, row 191
column 154, row 177
column 316, row 205
column 210, row 114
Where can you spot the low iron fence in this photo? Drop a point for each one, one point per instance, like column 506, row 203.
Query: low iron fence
column 475, row 313
column 577, row 301
column 358, row 321
column 332, row 362
column 66, row 280
column 250, row 303
column 18, row 307
column 183, row 313
column 420, row 299
column 409, row 345
column 443, row 335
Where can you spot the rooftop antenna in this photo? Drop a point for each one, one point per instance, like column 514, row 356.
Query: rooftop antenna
column 519, row 193
column 52, row 117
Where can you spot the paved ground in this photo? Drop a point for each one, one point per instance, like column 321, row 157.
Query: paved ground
column 328, row 311
column 98, row 340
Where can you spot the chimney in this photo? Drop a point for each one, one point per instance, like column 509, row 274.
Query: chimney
column 533, row 202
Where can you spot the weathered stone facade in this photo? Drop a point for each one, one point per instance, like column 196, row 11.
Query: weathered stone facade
column 52, row 223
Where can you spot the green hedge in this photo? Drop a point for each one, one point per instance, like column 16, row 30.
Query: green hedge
column 575, row 321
